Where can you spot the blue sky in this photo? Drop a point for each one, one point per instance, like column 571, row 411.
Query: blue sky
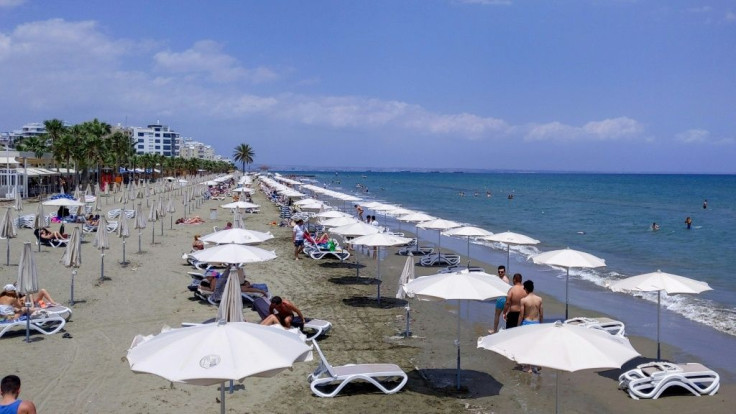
column 586, row 85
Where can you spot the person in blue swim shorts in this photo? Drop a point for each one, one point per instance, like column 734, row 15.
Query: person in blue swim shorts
column 532, row 313
column 500, row 302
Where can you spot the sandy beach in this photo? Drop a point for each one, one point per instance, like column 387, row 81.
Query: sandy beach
column 88, row 373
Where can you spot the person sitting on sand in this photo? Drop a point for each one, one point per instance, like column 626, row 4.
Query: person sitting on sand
column 197, row 244
column 282, row 312
column 93, row 220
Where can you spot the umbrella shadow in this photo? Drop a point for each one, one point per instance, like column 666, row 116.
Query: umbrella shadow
column 615, row 373
column 442, row 382
column 366, row 302
column 354, row 280
column 341, row 265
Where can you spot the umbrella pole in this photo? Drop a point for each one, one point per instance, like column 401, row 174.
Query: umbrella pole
column 102, row 266
column 139, row 241
column 7, row 263
column 162, row 227
column 457, row 344
column 557, row 392
column 407, row 333
column 153, row 234
column 659, row 309
column 28, row 321
column 378, row 266
column 124, row 262
column 171, row 222
column 71, row 300
column 567, row 282
column 222, row 397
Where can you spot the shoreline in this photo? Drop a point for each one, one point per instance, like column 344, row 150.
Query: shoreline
column 87, row 373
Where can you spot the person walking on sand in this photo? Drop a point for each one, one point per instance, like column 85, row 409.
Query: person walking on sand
column 10, row 404
column 298, row 233
column 500, row 302
column 512, row 308
column 531, row 313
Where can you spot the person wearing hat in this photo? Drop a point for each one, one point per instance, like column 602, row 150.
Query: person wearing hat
column 9, row 296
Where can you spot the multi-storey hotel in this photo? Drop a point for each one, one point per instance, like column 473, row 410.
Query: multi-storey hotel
column 156, row 139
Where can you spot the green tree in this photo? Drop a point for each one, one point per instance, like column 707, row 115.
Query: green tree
column 35, row 144
column 244, row 153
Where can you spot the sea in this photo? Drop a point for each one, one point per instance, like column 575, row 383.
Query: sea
column 608, row 215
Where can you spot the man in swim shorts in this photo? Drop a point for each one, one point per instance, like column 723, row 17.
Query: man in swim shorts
column 500, row 302
column 513, row 303
column 531, row 313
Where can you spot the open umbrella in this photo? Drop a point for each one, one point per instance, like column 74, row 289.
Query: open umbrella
column 508, row 238
column 237, row 236
column 440, row 225
column 213, row 353
column 416, row 218
column 568, row 258
column 140, row 223
column 233, row 254
column 560, row 346
column 468, row 231
column 462, row 285
column 101, row 242
column 329, row 214
column 7, row 231
column 123, row 232
column 379, row 240
column 27, row 281
column 73, row 257
column 660, row 281
column 240, row 204
column 339, row 221
column 407, row 275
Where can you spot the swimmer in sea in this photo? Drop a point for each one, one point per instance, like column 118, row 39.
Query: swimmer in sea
column 655, row 226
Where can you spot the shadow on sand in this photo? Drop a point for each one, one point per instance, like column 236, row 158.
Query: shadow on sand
column 372, row 302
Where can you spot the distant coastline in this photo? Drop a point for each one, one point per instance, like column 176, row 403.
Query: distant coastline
column 305, row 169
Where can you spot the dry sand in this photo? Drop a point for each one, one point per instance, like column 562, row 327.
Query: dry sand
column 88, row 373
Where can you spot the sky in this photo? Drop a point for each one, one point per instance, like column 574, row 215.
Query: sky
column 575, row 85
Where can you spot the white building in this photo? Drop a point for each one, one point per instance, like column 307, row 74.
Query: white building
column 156, row 139
column 194, row 149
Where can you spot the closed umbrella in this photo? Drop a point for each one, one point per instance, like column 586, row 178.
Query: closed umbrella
column 508, row 238
column 161, row 210
column 568, row 258
column 171, row 209
column 462, row 285
column 407, row 275
column 153, row 217
column 101, row 242
column 238, row 219
column 123, row 232
column 560, row 346
column 231, row 303
column 73, row 257
column 27, row 282
column 660, row 281
column 379, row 240
column 7, row 231
column 39, row 222
column 140, row 223
column 213, row 353
column 18, row 205
column 468, row 231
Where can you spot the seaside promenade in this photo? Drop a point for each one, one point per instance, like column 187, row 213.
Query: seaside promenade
column 87, row 373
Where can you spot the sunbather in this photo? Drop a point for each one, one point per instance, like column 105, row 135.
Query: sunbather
column 93, row 220
column 10, row 296
column 209, row 284
column 197, row 244
column 190, row 220
column 47, row 234
column 282, row 312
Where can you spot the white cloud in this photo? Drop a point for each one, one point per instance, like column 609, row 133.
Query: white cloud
column 605, row 130
column 9, row 4
column 206, row 57
column 693, row 136
column 730, row 16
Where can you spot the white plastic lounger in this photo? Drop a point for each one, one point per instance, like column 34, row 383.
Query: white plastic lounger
column 652, row 379
column 47, row 324
column 438, row 259
column 609, row 325
column 318, row 253
column 380, row 375
column 314, row 328
column 458, row 268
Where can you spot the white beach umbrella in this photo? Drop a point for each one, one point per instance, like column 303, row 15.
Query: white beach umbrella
column 568, row 258
column 237, row 236
column 140, row 223
column 231, row 302
column 306, row 201
column 508, row 238
column 243, row 190
column 123, row 232
column 379, row 240
column 238, row 222
column 240, row 204
column 339, row 221
column 355, row 229
column 467, row 231
column 101, row 243
column 440, row 225
column 161, row 211
column 153, row 217
column 171, row 209
column 560, row 346
column 65, row 202
column 72, row 257
column 416, row 217
column 462, row 285
column 27, row 281
column 18, row 204
column 213, row 353
column 660, row 281
column 407, row 275
column 330, row 214
column 7, row 231
column 233, row 254
column 39, row 222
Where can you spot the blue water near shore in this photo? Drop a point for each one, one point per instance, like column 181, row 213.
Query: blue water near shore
column 608, row 215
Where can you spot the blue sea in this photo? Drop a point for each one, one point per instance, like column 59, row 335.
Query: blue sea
column 608, row 215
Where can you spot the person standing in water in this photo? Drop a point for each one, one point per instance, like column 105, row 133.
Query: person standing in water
column 688, row 222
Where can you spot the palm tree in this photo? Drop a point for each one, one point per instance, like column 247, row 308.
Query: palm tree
column 121, row 148
column 35, row 144
column 244, row 153
column 54, row 130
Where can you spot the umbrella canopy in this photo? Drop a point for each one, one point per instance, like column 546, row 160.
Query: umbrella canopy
column 660, row 281
column 416, row 217
column 240, row 204
column 356, row 229
column 339, row 221
column 379, row 240
column 307, row 201
column 463, row 285
column 233, row 254
column 231, row 302
column 140, row 219
column 508, row 238
column 101, row 240
column 331, row 214
column 65, row 202
column 568, row 258
column 123, row 227
column 237, row 236
column 243, row 190
column 467, row 231
column 438, row 224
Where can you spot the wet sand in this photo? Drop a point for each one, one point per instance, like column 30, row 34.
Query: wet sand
column 88, row 373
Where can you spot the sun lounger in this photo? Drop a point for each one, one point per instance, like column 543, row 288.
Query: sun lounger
column 47, row 324
column 652, row 379
column 438, row 259
column 609, row 325
column 421, row 251
column 383, row 376
column 312, row 328
column 50, row 242
column 317, row 253
column 458, row 268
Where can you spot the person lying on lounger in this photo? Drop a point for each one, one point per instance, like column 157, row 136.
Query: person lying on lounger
column 209, row 283
column 282, row 312
column 47, row 234
column 10, row 296
column 190, row 220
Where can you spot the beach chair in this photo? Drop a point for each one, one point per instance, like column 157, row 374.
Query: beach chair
column 114, row 213
column 458, row 268
column 45, row 323
column 317, row 252
column 438, row 259
column 383, row 376
column 609, row 325
column 652, row 379
column 312, row 328
column 89, row 228
column 111, row 226
column 50, row 242
column 415, row 251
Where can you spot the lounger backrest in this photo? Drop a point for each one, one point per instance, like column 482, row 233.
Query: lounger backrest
column 326, row 365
